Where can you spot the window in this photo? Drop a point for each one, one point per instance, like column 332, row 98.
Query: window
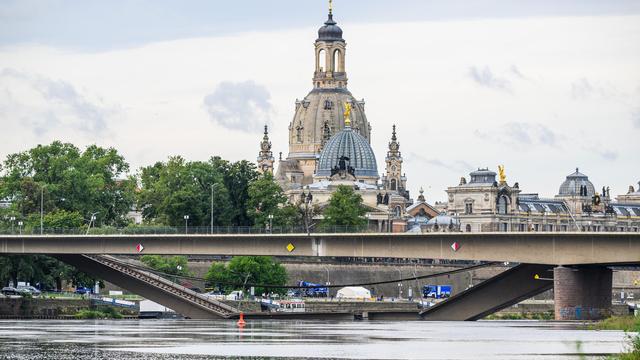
column 564, row 227
column 536, row 227
column 468, row 228
column 504, row 227
column 468, row 208
column 337, row 66
column 503, row 205
column 322, row 61
column 522, row 227
column 393, row 184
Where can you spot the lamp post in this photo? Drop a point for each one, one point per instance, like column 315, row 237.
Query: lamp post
column 399, row 284
column 41, row 209
column 327, row 282
column 211, row 208
column 368, row 216
column 20, row 223
column 12, row 220
column 270, row 223
column 92, row 221
column 186, row 224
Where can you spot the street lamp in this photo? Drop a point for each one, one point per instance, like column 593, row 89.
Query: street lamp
column 12, row 219
column 20, row 223
column 92, row 221
column 327, row 282
column 211, row 208
column 399, row 284
column 186, row 224
column 368, row 216
column 270, row 223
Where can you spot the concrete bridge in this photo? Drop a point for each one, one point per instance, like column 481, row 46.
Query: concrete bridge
column 535, row 248
column 573, row 264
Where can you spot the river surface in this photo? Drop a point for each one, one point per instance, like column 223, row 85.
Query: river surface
column 192, row 339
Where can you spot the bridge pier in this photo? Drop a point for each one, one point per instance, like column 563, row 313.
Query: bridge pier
column 582, row 293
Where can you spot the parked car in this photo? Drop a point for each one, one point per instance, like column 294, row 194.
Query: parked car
column 29, row 290
column 83, row 290
column 9, row 290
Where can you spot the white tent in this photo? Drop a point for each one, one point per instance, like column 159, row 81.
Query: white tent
column 353, row 292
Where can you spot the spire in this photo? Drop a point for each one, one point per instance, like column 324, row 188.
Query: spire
column 330, row 8
column 393, row 134
column 265, row 156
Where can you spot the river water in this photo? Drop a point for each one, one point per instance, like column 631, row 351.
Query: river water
column 192, row 339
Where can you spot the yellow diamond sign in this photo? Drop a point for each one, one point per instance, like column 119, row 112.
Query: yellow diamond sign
column 290, row 247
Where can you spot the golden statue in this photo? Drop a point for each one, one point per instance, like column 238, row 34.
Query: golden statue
column 502, row 175
column 347, row 114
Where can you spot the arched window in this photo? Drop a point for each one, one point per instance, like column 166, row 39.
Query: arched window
column 321, row 61
column 468, row 228
column 337, row 64
column 398, row 211
column 503, row 205
column 393, row 184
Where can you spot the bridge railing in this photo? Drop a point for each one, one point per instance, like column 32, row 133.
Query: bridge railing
column 191, row 230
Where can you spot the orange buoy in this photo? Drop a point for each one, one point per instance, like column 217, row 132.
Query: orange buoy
column 241, row 321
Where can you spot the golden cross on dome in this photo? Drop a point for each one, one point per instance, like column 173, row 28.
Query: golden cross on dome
column 330, row 6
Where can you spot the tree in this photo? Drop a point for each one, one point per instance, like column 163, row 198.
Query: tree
column 345, row 208
column 237, row 179
column 69, row 179
column 174, row 265
column 267, row 198
column 176, row 188
column 241, row 270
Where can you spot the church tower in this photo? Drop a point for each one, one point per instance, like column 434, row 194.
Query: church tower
column 319, row 115
column 265, row 156
column 393, row 180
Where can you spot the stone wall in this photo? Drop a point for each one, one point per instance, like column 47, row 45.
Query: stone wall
column 41, row 307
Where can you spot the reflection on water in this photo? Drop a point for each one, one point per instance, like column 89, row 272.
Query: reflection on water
column 190, row 339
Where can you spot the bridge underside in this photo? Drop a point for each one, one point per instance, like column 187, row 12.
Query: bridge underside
column 501, row 291
column 173, row 296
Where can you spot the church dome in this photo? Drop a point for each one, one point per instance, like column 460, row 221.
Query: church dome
column 330, row 31
column 350, row 144
column 571, row 186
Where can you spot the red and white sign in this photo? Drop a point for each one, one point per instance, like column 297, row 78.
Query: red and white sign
column 455, row 246
column 139, row 247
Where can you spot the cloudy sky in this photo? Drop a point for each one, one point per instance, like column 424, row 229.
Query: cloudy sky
column 540, row 86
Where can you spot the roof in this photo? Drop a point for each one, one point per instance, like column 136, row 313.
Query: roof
column 623, row 209
column 573, row 182
column 534, row 204
column 352, row 145
column 330, row 31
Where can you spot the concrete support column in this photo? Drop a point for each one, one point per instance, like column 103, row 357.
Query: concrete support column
column 582, row 293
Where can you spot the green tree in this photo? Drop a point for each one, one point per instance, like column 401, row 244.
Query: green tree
column 174, row 265
column 345, row 208
column 266, row 198
column 237, row 179
column 176, row 188
column 241, row 270
column 68, row 179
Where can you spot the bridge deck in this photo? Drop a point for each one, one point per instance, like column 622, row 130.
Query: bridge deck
column 535, row 248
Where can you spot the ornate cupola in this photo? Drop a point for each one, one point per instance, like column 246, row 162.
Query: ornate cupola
column 330, row 55
column 265, row 156
column 393, row 179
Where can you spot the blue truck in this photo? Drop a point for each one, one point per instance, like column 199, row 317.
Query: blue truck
column 313, row 290
column 436, row 291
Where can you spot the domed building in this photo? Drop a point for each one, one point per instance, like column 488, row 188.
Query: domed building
column 318, row 116
column 577, row 184
column 330, row 143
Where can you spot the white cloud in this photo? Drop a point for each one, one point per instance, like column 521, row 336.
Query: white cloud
column 242, row 106
column 485, row 77
column 421, row 81
column 42, row 104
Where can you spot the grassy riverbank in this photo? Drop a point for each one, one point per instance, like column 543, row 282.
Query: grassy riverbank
column 522, row 316
column 629, row 324
column 106, row 313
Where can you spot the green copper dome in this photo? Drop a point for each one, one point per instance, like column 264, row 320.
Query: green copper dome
column 352, row 145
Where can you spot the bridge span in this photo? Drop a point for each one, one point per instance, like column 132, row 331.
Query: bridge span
column 573, row 264
column 551, row 248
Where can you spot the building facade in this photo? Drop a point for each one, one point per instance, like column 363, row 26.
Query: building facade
column 485, row 203
column 330, row 145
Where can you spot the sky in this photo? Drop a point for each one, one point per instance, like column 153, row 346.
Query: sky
column 540, row 86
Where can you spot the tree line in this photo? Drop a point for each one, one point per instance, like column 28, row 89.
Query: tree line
column 63, row 186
